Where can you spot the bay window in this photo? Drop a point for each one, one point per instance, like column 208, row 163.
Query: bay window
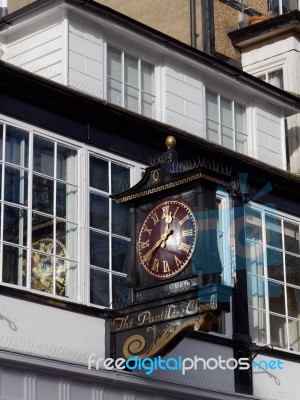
column 273, row 270
column 226, row 122
column 45, row 220
column 130, row 82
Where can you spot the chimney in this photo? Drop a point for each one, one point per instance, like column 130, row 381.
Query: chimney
column 3, row 8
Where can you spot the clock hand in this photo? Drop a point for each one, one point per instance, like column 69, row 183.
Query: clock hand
column 162, row 241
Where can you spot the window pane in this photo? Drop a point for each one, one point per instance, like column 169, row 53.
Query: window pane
column 15, row 225
column 212, row 106
column 253, row 225
column 114, row 63
column 66, row 280
column 147, row 105
column 291, row 237
column 147, row 77
column 66, row 201
column 66, row 240
column 99, row 288
column 114, row 91
column 276, row 78
column 276, row 297
column 278, row 331
column 99, row 174
column 239, row 113
column 99, row 212
column 16, row 185
column 42, row 194
column 212, row 131
column 120, row 178
column 120, row 219
column 256, row 292
column 273, row 231
column 99, row 250
column 227, row 137
column 66, row 164
column 131, row 100
column 14, row 265
column 16, row 146
column 254, row 261
column 131, row 70
column 293, row 302
column 1, row 141
column 120, row 290
column 275, row 265
column 258, row 326
column 241, row 142
column 294, row 335
column 226, row 112
column 42, row 272
column 43, row 156
column 42, row 233
column 0, row 182
column 120, row 255
column 292, row 265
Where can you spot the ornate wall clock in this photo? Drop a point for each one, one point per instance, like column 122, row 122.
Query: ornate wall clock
column 167, row 239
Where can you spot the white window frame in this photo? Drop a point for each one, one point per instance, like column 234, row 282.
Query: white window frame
column 233, row 101
column 123, row 48
column 267, row 211
column 84, row 151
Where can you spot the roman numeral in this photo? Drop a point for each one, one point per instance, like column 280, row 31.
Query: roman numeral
column 155, row 265
column 184, row 219
column 185, row 247
column 166, row 266
column 154, row 218
column 147, row 230
column 165, row 211
column 175, row 211
column 178, row 262
column 188, row 232
column 144, row 244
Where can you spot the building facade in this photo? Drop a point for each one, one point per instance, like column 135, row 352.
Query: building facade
column 88, row 96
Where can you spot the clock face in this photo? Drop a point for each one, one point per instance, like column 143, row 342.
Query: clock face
column 167, row 239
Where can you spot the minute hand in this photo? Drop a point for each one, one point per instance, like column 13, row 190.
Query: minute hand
column 164, row 237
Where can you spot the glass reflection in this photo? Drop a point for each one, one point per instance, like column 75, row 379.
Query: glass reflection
column 14, row 265
column 1, row 141
column 292, row 265
column 15, row 225
column 276, row 297
column 293, row 302
column 119, row 289
column 120, row 178
column 291, row 237
column 43, row 156
column 66, row 201
column 253, row 225
column 99, row 212
column 66, row 240
column 99, row 287
column 16, row 186
column 275, row 264
column 42, row 233
column 278, row 331
column 99, row 174
column 66, row 278
column 16, row 146
column 273, row 231
column 120, row 219
column 99, row 250
column 66, row 164
column 42, row 194
column 120, row 255
column 42, row 272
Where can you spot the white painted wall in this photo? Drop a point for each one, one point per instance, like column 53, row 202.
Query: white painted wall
column 45, row 331
column 38, row 48
column 86, row 56
column 269, row 136
column 276, row 384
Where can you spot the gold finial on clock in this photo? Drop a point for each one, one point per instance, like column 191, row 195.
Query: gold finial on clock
column 170, row 142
